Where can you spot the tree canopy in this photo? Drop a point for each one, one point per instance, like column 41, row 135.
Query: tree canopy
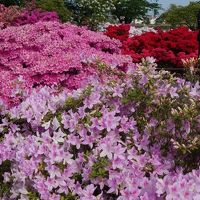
column 10, row 2
column 93, row 12
column 128, row 10
column 90, row 12
column 182, row 15
column 55, row 5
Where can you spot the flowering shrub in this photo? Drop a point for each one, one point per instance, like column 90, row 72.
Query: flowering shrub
column 123, row 31
column 132, row 138
column 31, row 17
column 139, row 31
column 120, row 32
column 16, row 16
column 169, row 48
column 50, row 53
column 90, row 13
column 8, row 15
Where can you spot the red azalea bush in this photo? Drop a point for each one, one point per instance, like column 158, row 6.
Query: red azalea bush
column 120, row 32
column 169, row 48
column 51, row 53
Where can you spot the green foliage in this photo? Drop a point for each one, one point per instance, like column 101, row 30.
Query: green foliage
column 72, row 103
column 69, row 196
column 99, row 168
column 181, row 15
column 77, row 177
column 133, row 94
column 11, row 2
column 4, row 187
column 57, row 6
column 41, row 168
column 90, row 12
column 47, row 117
column 192, row 69
column 128, row 10
column 33, row 196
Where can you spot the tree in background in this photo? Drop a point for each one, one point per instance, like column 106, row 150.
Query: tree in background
column 55, row 5
column 181, row 15
column 48, row 5
column 10, row 2
column 90, row 12
column 93, row 12
column 128, row 10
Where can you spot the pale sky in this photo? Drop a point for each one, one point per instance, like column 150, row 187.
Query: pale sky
column 165, row 3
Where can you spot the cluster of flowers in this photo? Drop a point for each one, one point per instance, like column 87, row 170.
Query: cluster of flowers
column 169, row 47
column 16, row 16
column 120, row 32
column 136, row 137
column 123, row 31
column 8, row 15
column 49, row 53
column 34, row 16
column 139, row 31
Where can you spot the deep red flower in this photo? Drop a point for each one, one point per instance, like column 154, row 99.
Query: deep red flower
column 120, row 32
column 168, row 47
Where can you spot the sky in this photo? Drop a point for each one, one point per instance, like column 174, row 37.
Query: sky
column 165, row 3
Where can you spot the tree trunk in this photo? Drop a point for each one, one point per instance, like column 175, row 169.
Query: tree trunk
column 127, row 20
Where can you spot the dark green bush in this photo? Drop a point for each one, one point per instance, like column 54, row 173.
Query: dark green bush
column 10, row 2
column 57, row 6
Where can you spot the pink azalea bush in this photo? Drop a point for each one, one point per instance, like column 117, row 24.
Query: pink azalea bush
column 17, row 16
column 136, row 137
column 51, row 53
column 8, row 15
column 34, row 16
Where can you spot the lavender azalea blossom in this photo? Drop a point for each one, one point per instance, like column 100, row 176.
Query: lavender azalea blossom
column 131, row 138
